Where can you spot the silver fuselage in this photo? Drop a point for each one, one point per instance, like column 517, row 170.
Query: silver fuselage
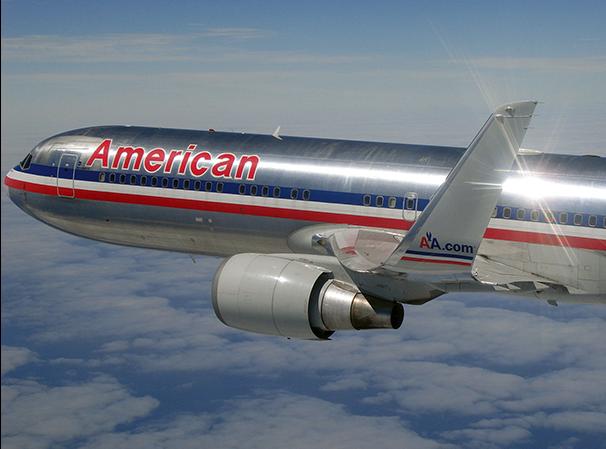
column 256, row 193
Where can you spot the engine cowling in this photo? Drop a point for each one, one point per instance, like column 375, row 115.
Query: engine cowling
column 279, row 296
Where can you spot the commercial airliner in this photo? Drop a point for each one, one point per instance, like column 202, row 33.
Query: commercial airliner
column 327, row 235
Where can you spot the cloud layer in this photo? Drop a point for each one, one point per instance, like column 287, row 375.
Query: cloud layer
column 93, row 318
column 38, row 416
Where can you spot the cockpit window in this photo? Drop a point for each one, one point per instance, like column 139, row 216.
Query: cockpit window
column 25, row 163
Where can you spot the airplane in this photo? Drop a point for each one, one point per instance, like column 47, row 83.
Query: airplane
column 324, row 235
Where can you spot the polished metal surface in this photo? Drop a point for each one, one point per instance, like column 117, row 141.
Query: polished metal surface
column 268, row 295
column 376, row 313
column 337, row 169
column 335, row 305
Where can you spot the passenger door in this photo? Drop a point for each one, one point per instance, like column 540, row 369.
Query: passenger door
column 66, row 173
column 410, row 206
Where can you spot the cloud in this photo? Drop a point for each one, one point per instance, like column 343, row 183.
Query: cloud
column 214, row 45
column 503, row 436
column 500, row 432
column 104, row 48
column 271, row 420
column 13, row 357
column 39, row 416
column 235, row 33
column 587, row 421
column 591, row 64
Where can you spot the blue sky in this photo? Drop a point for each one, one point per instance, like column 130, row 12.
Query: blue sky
column 105, row 346
column 395, row 71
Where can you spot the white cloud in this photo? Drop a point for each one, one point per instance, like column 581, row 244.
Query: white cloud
column 235, row 33
column 503, row 436
column 580, row 421
column 215, row 45
column 275, row 420
column 13, row 357
column 595, row 64
column 39, row 416
column 500, row 432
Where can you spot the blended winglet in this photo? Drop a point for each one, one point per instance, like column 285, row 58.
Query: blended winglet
column 449, row 231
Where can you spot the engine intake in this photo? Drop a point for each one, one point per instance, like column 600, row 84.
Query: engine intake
column 278, row 296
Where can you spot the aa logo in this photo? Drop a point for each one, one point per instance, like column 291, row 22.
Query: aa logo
column 428, row 241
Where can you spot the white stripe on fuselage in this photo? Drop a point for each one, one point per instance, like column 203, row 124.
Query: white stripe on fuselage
column 315, row 206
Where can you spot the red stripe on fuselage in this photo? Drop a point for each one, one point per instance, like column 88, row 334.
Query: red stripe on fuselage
column 216, row 206
column 303, row 215
column 545, row 239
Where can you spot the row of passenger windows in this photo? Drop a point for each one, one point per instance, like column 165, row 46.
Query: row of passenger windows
column 380, row 201
column 207, row 186
column 410, row 203
column 547, row 216
column 243, row 189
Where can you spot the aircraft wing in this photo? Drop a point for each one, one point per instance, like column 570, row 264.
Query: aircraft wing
column 439, row 250
column 489, row 271
column 439, row 253
column 366, row 273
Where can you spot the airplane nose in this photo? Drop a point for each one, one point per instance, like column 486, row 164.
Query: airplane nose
column 16, row 190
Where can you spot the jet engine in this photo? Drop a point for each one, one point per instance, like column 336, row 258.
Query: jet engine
column 279, row 296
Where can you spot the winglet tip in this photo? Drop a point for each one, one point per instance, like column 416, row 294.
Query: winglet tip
column 519, row 108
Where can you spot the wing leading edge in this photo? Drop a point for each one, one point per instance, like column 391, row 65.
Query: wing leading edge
column 438, row 252
column 447, row 235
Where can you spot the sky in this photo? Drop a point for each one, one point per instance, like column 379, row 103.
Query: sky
column 110, row 347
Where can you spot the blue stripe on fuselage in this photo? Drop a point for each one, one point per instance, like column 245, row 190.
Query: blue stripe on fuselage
column 424, row 253
column 323, row 196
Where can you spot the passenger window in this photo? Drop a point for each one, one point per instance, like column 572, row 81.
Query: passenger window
column 410, row 203
column 563, row 218
column 578, row 219
column 133, row 179
column 549, row 217
column 379, row 201
column 186, row 184
column 392, row 202
column 143, row 180
column 154, row 181
column 219, row 187
column 534, row 215
column 265, row 191
column 507, row 212
column 122, row 179
column 253, row 190
column 276, row 192
column 208, row 186
column 494, row 212
column 102, row 177
column 175, row 183
column 306, row 195
column 366, row 200
column 164, row 182
column 242, row 189
column 593, row 220
column 198, row 185
column 294, row 193
column 520, row 214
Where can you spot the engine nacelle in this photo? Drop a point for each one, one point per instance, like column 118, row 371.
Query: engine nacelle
column 277, row 296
